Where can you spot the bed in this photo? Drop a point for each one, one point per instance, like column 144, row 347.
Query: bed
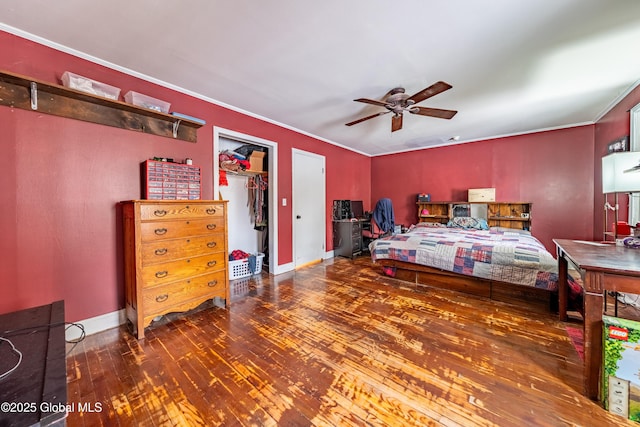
column 468, row 256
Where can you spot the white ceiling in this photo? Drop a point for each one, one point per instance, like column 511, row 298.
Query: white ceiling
column 516, row 66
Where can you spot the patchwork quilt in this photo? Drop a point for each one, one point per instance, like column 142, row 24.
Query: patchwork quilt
column 496, row 254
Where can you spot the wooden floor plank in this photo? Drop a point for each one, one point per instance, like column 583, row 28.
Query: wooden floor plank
column 338, row 344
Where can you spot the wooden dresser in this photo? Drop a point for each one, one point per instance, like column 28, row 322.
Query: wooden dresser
column 176, row 257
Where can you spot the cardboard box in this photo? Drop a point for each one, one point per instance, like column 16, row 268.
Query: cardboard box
column 621, row 364
column 256, row 161
column 482, row 195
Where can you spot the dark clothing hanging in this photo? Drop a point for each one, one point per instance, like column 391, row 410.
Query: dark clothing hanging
column 383, row 215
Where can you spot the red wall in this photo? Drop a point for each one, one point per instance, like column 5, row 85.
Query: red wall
column 553, row 170
column 613, row 125
column 63, row 178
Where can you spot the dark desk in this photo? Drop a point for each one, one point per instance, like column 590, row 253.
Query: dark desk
column 602, row 268
column 347, row 237
column 35, row 394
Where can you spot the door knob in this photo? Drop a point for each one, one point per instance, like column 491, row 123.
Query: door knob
column 298, row 217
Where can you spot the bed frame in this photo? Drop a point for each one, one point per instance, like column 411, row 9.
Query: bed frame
column 422, row 276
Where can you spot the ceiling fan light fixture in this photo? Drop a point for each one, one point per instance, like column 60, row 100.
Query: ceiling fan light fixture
column 397, row 98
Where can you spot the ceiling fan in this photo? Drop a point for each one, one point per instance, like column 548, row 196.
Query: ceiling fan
column 397, row 102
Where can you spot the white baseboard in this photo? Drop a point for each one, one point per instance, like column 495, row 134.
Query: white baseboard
column 284, row 268
column 97, row 324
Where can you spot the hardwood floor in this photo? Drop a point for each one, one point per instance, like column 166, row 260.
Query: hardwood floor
column 337, row 344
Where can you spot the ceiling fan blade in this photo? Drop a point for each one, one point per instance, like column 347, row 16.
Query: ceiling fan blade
column 355, row 122
column 371, row 101
column 433, row 112
column 396, row 122
column 432, row 90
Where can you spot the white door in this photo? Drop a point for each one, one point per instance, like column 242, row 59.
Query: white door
column 308, row 207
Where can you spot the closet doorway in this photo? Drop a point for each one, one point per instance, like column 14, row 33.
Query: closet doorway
column 249, row 229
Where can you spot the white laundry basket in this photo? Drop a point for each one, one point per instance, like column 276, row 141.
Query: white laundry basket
column 240, row 268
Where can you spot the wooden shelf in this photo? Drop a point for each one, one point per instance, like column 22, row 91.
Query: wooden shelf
column 245, row 172
column 16, row 92
column 499, row 214
column 508, row 218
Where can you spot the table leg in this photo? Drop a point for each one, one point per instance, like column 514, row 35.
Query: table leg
column 593, row 306
column 563, row 286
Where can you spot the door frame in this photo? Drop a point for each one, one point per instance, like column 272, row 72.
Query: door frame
column 272, row 168
column 322, row 196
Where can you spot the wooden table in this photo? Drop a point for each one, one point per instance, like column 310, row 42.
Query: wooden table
column 602, row 267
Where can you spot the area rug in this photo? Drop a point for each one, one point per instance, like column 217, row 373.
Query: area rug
column 575, row 334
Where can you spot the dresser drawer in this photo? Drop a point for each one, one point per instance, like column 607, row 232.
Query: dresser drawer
column 161, row 298
column 156, row 274
column 159, row 230
column 162, row 211
column 167, row 250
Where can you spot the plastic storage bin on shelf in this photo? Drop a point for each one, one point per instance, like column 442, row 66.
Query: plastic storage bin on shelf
column 240, row 268
column 146, row 101
column 84, row 84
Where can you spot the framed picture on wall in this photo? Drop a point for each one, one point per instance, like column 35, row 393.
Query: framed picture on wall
column 620, row 144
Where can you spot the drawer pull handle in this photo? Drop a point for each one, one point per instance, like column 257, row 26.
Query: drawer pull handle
column 160, row 231
column 211, row 211
column 211, row 263
column 211, row 244
column 161, row 274
column 162, row 298
column 211, row 226
column 161, row 251
column 160, row 212
column 212, row 283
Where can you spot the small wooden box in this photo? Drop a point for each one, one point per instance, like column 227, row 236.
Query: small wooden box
column 256, row 160
column 482, row 195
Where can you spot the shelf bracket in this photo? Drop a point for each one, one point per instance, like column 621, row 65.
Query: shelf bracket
column 34, row 96
column 176, row 125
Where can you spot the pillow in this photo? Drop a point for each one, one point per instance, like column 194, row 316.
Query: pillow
column 511, row 230
column 427, row 225
column 468, row 222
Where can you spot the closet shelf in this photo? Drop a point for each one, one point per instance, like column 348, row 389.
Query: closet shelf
column 245, row 173
column 17, row 91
